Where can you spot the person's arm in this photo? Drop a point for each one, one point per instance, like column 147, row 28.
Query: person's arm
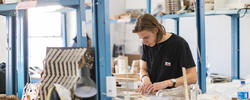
column 186, row 60
column 144, row 77
column 143, row 71
column 191, row 79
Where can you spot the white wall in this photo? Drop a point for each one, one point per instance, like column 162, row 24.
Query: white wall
column 132, row 42
column 135, row 4
column 218, row 44
column 117, row 31
column 244, row 46
column 188, row 32
column 3, row 39
column 71, row 27
column 122, row 33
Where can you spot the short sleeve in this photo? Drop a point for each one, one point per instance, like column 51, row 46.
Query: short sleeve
column 186, row 58
column 143, row 57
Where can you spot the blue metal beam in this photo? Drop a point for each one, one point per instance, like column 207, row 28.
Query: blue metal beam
column 81, row 41
column 177, row 26
column 8, row 13
column 95, row 45
column 201, row 63
column 235, row 51
column 6, row 7
column 149, row 6
column 79, row 27
column 64, row 29
column 101, row 38
column 11, row 79
column 58, row 2
column 22, row 37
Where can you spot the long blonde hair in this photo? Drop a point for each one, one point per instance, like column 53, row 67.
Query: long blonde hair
column 149, row 22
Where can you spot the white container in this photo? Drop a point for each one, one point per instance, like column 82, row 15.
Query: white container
column 123, row 65
column 111, row 86
column 229, row 4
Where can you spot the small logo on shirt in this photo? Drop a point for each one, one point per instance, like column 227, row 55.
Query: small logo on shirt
column 167, row 64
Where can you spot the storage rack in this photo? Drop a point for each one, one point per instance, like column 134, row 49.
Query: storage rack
column 200, row 23
column 17, row 29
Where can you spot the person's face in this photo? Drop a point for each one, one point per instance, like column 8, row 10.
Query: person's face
column 148, row 37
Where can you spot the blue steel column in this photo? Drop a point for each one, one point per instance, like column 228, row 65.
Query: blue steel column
column 81, row 41
column 22, row 60
column 64, row 28
column 177, row 26
column 11, row 80
column 235, row 51
column 149, row 6
column 94, row 44
column 101, row 36
column 201, row 63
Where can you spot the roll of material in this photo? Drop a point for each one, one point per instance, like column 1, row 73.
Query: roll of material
column 172, row 6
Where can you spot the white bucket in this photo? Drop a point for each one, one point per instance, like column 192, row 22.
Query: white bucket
column 229, row 4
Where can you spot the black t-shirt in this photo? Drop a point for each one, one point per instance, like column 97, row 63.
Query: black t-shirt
column 165, row 60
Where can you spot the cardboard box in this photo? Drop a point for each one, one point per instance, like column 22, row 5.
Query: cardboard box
column 132, row 57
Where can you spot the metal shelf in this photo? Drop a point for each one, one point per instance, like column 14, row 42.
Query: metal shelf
column 30, row 4
column 7, row 7
column 209, row 13
column 192, row 14
column 123, row 20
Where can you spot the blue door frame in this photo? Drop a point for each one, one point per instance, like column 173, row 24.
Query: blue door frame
column 11, row 79
column 101, row 43
column 201, row 63
column 22, row 37
column 235, row 49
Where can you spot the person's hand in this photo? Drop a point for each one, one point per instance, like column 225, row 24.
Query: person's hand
column 145, row 84
column 160, row 85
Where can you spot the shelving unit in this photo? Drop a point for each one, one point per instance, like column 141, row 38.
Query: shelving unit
column 17, row 28
column 235, row 34
column 200, row 23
